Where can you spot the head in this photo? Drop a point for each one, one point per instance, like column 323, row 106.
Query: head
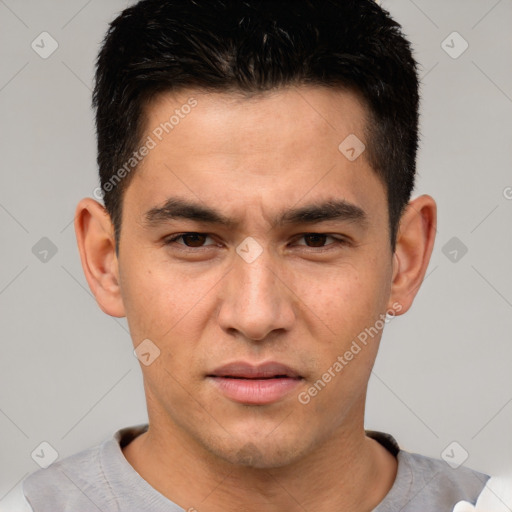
column 239, row 121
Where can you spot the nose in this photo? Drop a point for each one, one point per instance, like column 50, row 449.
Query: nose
column 256, row 299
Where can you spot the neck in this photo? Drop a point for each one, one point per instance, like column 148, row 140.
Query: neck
column 348, row 471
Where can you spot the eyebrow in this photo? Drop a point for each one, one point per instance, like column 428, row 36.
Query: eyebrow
column 178, row 208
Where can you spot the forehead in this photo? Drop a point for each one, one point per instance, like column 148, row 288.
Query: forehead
column 275, row 147
column 273, row 122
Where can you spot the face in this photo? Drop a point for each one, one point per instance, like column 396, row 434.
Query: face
column 248, row 237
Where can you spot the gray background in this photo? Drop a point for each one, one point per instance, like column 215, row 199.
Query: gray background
column 67, row 372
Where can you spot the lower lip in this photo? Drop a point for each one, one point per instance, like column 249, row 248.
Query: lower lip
column 255, row 391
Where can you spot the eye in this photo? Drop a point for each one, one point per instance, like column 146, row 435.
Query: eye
column 318, row 240
column 192, row 240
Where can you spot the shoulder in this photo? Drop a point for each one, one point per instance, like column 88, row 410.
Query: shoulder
column 434, row 485
column 495, row 497
column 427, row 484
column 65, row 481
column 84, row 481
column 459, row 477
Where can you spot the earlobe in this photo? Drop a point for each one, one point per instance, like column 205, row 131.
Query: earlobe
column 415, row 242
column 96, row 244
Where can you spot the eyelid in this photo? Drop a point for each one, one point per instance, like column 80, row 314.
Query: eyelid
column 173, row 239
column 327, row 235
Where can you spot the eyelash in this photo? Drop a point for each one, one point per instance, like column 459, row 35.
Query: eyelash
column 337, row 241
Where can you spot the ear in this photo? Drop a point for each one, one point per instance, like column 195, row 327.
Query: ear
column 415, row 241
column 96, row 243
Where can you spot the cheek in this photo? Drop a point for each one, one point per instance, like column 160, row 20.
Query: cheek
column 156, row 297
column 171, row 306
column 344, row 298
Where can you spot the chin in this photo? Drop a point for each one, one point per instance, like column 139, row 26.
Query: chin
column 261, row 453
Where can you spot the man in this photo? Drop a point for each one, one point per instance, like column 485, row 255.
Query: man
column 257, row 160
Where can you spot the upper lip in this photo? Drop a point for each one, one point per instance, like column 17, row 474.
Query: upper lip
column 244, row 370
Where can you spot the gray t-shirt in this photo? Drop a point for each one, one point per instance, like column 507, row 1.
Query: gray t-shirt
column 101, row 479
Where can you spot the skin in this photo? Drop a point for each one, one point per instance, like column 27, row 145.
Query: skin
column 301, row 303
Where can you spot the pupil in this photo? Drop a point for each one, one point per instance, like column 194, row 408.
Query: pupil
column 318, row 240
column 197, row 239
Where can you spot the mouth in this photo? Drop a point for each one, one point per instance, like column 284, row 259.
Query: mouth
column 255, row 384
column 243, row 370
column 252, row 378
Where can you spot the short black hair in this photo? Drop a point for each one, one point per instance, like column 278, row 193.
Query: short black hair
column 253, row 46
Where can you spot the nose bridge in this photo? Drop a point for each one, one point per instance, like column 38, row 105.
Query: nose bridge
column 256, row 302
column 256, row 279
